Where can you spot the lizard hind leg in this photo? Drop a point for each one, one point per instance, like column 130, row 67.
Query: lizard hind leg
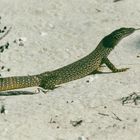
column 47, row 81
column 47, row 84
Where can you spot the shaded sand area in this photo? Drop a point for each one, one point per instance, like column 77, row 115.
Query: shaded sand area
column 55, row 33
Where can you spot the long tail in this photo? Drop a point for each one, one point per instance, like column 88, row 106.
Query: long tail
column 9, row 83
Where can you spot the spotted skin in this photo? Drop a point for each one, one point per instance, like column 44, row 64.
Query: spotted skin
column 10, row 83
column 81, row 68
column 88, row 64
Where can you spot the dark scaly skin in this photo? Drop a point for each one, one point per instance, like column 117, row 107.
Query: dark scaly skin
column 76, row 70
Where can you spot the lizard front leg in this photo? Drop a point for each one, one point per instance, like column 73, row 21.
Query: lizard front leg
column 112, row 67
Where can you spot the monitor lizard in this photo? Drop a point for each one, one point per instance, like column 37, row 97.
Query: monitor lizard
column 87, row 65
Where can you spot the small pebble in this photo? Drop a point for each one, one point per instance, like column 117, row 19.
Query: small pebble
column 2, row 110
column 99, row 127
column 5, row 28
column 67, row 50
column 2, row 67
column 15, row 41
column 82, row 138
column 76, row 123
column 90, row 79
column 21, row 44
column 98, row 10
column 7, row 45
column 1, row 50
column 51, row 26
column 135, row 120
column 114, row 125
column 123, row 127
column 20, row 41
column 105, row 106
column 43, row 33
column 8, row 69
column 24, row 39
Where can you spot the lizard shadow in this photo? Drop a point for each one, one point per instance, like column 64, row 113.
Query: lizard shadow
column 15, row 93
column 99, row 72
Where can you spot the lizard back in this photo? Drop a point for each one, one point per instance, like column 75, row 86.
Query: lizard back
column 76, row 70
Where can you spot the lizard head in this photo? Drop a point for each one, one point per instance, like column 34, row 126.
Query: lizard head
column 122, row 32
column 115, row 37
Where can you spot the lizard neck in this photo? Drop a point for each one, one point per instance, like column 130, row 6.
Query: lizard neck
column 106, row 45
column 101, row 50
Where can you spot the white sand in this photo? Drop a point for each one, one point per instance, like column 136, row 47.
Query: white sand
column 56, row 33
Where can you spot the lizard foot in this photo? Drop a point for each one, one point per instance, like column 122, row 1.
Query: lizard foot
column 120, row 70
column 40, row 89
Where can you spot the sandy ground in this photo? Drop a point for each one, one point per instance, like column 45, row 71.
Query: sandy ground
column 56, row 33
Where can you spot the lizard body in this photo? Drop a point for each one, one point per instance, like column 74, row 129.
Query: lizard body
column 85, row 66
